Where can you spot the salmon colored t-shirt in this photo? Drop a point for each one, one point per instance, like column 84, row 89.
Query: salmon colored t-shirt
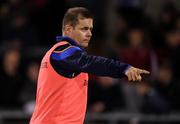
column 59, row 100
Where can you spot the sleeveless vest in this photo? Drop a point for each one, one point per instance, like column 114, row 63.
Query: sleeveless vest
column 59, row 100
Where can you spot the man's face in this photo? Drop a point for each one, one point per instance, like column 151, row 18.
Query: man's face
column 81, row 33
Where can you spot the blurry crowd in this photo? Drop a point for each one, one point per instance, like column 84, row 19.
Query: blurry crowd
column 27, row 26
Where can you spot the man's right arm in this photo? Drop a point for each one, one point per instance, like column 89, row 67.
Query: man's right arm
column 76, row 60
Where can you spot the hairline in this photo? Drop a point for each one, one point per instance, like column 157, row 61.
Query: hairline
column 79, row 17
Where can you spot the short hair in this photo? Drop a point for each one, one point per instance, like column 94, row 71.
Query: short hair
column 73, row 14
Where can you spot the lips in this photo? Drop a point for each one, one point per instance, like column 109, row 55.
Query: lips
column 86, row 40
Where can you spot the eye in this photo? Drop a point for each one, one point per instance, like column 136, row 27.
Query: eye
column 91, row 29
column 84, row 28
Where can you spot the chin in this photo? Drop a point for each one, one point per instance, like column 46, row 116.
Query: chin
column 85, row 45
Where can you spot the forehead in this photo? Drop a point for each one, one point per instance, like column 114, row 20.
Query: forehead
column 88, row 22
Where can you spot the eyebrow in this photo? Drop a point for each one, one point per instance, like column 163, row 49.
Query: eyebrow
column 86, row 27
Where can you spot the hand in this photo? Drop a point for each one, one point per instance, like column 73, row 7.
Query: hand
column 134, row 74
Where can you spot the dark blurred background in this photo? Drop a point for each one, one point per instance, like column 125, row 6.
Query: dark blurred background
column 143, row 33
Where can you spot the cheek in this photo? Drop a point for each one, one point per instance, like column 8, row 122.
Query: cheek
column 80, row 35
column 75, row 35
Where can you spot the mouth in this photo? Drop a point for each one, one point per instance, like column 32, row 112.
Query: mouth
column 87, row 40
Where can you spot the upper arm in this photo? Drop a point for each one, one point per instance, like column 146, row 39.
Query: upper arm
column 59, row 60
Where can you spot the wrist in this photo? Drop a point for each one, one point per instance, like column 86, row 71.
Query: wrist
column 127, row 68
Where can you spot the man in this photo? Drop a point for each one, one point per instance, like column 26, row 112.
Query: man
column 62, row 82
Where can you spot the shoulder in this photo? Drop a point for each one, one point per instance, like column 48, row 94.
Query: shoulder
column 64, row 51
column 66, row 48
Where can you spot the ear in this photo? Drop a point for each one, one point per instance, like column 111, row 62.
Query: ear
column 68, row 29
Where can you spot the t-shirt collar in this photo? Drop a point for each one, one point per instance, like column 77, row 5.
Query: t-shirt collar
column 68, row 39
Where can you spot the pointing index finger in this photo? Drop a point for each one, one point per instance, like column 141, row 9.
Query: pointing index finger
column 144, row 72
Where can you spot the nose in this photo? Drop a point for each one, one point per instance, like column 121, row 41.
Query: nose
column 89, row 33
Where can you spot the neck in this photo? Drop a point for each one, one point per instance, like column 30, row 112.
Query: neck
column 64, row 34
